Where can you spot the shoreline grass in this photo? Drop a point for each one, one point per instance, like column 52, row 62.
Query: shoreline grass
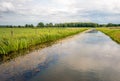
column 113, row 33
column 14, row 39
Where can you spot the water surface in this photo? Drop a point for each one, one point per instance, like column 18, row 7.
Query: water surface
column 90, row 56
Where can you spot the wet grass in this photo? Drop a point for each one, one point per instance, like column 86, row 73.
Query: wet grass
column 14, row 39
column 114, row 33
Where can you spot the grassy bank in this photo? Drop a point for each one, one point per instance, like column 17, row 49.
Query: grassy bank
column 114, row 33
column 14, row 39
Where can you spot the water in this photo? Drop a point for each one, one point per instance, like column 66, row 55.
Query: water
column 90, row 56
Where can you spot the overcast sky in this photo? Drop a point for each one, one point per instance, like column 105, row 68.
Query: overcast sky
column 20, row 12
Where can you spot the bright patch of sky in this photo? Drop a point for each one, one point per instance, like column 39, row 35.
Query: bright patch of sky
column 20, row 12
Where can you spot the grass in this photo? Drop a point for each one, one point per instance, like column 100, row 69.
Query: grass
column 114, row 33
column 14, row 39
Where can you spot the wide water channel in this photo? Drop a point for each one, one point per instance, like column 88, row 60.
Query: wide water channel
column 90, row 56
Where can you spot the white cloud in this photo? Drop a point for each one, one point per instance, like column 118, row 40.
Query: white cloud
column 6, row 6
column 101, row 5
column 60, row 10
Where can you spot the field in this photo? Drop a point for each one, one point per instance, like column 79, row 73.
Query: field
column 114, row 33
column 14, row 39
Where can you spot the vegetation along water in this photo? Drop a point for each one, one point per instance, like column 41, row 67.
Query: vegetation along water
column 114, row 33
column 14, row 39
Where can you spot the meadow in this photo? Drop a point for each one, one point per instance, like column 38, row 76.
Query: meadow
column 14, row 39
column 113, row 33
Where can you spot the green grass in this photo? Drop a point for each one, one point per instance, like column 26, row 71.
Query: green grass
column 114, row 33
column 14, row 39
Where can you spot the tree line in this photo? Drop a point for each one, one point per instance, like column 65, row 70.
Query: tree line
column 72, row 24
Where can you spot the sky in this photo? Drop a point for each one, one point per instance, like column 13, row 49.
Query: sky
column 20, row 12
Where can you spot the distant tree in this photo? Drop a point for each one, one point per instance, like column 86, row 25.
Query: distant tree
column 11, row 26
column 109, row 25
column 26, row 25
column 49, row 25
column 76, row 24
column 41, row 24
column 102, row 25
column 31, row 25
column 71, row 24
column 18, row 26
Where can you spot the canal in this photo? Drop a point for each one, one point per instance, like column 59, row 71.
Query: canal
column 90, row 56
